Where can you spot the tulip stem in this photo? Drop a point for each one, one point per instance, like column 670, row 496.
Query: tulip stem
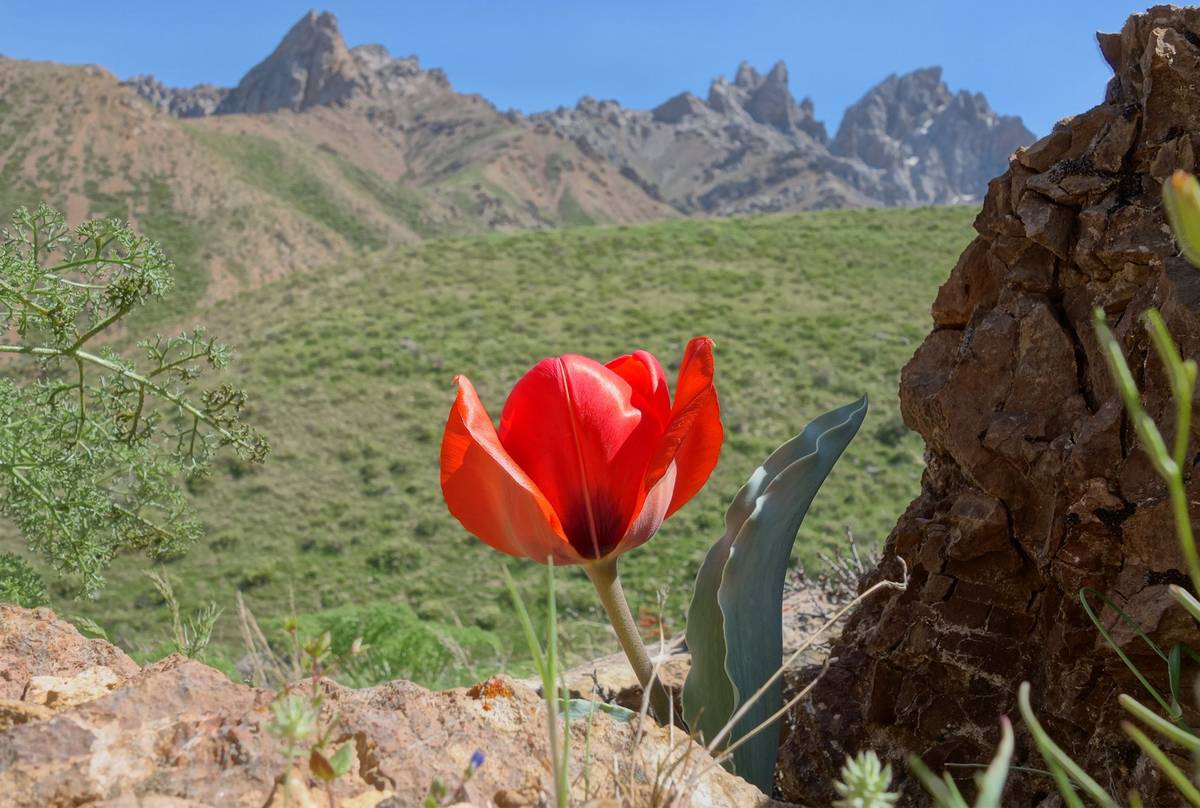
column 608, row 585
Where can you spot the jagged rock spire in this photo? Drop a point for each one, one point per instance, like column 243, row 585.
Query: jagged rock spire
column 310, row 66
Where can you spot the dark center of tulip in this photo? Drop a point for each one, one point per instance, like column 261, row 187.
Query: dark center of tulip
column 596, row 530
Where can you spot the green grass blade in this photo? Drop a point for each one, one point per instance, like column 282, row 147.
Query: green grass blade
column 1164, row 764
column 991, row 783
column 934, row 785
column 535, row 647
column 1061, row 766
column 1185, row 599
column 1129, row 621
column 560, row 758
column 1159, row 724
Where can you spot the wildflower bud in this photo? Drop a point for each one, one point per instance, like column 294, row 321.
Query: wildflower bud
column 1181, row 197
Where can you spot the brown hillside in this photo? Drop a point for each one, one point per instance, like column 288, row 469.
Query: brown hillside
column 240, row 199
column 73, row 136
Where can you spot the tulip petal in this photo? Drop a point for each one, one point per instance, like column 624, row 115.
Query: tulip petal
column 654, row 511
column 572, row 425
column 645, row 375
column 693, row 437
column 489, row 493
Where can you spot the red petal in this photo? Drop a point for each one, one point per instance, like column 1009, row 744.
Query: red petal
column 654, row 511
column 693, row 438
column 489, row 493
column 573, row 426
column 645, row 375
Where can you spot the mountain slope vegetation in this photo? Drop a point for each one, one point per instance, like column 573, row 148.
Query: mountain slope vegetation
column 351, row 373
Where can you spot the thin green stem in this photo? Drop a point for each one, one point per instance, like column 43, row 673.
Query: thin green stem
column 1183, row 527
column 24, row 299
column 82, row 404
column 97, row 328
column 83, row 262
column 135, row 377
column 603, row 575
column 1164, row 764
column 559, row 758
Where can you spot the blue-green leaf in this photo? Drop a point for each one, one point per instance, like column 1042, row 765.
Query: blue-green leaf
column 579, row 709
column 735, row 622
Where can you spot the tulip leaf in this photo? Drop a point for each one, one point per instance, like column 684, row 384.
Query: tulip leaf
column 580, row 709
column 735, row 622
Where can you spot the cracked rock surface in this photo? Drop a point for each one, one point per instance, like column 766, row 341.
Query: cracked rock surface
column 179, row 734
column 1035, row 488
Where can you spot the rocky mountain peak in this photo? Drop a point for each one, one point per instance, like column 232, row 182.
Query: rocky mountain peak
column 747, row 77
column 311, row 66
column 371, row 57
column 747, row 146
column 191, row 102
column 941, row 139
column 771, row 103
column 765, row 100
column 677, row 108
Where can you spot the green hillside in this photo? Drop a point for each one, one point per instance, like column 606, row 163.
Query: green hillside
column 351, row 369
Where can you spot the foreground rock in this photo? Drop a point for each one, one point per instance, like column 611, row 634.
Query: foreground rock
column 1033, row 489
column 178, row 733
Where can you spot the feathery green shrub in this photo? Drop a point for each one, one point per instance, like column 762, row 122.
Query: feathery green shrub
column 94, row 442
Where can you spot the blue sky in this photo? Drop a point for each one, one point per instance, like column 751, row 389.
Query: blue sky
column 1035, row 59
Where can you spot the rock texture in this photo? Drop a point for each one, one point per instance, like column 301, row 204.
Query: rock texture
column 178, row 734
column 932, row 145
column 1035, row 488
column 751, row 147
column 190, row 102
column 313, row 67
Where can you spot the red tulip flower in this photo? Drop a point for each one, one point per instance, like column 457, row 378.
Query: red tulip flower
column 589, row 458
column 588, row 461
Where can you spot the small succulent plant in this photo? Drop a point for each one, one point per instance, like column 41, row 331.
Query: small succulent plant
column 864, row 783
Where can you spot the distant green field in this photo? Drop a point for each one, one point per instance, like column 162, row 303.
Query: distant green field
column 350, row 373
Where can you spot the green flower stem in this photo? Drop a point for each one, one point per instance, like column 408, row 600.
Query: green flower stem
column 604, row 577
column 1183, row 527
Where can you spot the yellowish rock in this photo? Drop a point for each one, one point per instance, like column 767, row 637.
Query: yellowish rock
column 13, row 713
column 368, row 799
column 62, row 692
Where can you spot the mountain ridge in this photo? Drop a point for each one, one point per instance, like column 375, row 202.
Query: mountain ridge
column 759, row 149
column 324, row 151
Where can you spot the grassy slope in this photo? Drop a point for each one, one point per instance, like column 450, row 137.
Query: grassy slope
column 351, row 371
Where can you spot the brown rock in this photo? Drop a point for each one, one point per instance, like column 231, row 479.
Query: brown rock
column 178, row 733
column 1046, row 223
column 611, row 679
column 1047, row 151
column 55, row 648
column 1034, row 487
